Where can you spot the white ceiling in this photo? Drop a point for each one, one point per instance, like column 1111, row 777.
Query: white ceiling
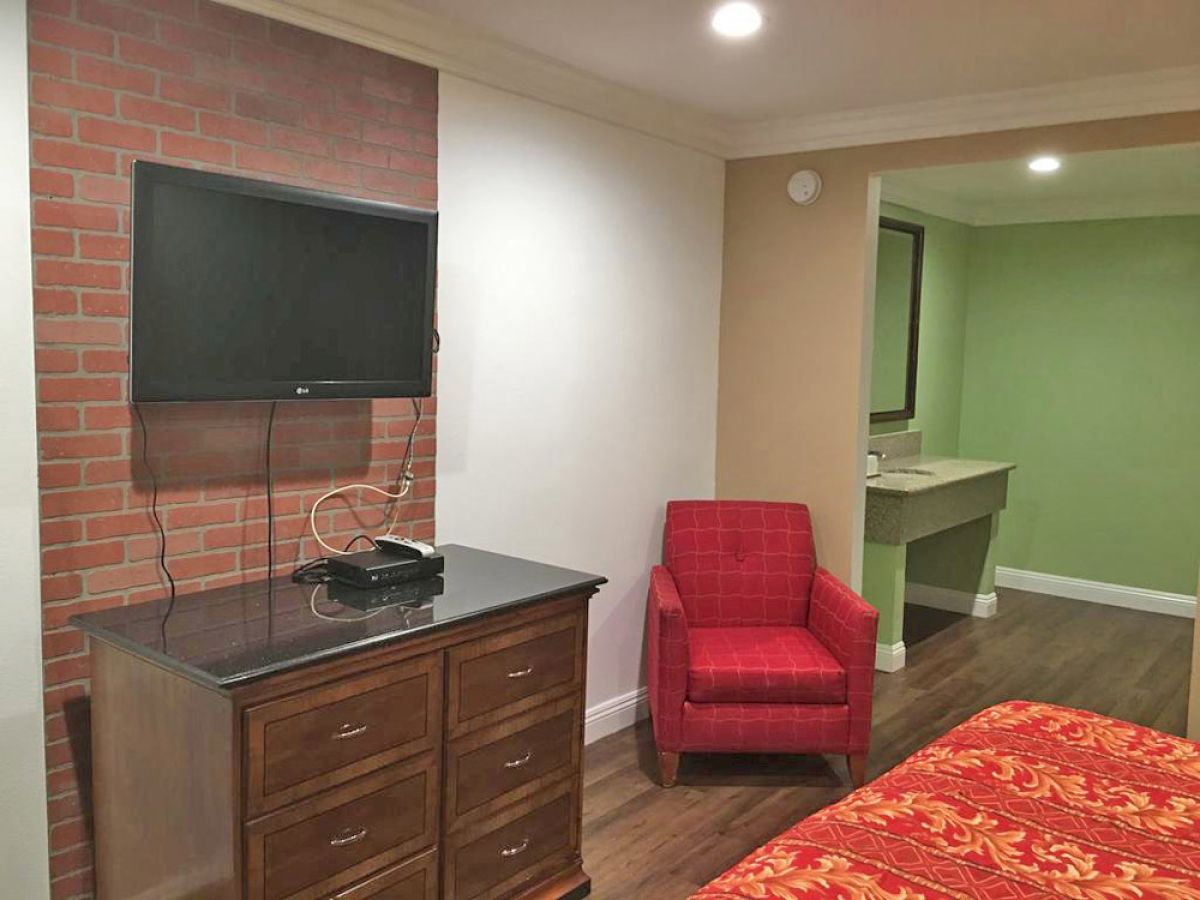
column 822, row 73
column 1146, row 181
column 817, row 57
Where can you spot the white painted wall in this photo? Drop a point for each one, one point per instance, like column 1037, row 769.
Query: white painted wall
column 579, row 295
column 23, row 843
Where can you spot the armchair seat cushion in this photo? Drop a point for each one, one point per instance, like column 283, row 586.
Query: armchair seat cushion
column 762, row 664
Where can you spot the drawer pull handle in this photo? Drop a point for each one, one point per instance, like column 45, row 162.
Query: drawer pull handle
column 519, row 761
column 521, row 673
column 348, row 836
column 515, row 849
column 348, row 731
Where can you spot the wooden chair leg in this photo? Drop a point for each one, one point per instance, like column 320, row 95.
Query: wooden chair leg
column 857, row 764
column 668, row 768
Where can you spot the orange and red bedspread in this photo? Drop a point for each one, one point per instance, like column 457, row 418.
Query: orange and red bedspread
column 1023, row 800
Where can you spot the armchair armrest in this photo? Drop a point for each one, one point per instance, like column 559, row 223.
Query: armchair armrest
column 666, row 659
column 848, row 626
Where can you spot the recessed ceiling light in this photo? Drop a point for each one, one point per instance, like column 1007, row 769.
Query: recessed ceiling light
column 1045, row 164
column 737, row 20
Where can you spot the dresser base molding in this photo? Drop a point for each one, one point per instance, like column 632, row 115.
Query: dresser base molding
column 571, row 885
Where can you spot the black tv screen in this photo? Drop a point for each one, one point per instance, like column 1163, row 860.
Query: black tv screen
column 246, row 290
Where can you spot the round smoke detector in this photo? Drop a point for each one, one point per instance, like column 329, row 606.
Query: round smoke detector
column 804, row 187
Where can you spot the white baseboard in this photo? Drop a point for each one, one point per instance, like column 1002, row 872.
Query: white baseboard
column 890, row 657
column 1098, row 592
column 982, row 606
column 612, row 715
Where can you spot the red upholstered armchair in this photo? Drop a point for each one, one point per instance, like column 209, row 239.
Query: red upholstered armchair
column 751, row 646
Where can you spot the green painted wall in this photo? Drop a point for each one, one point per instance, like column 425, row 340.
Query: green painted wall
column 960, row 559
column 942, row 333
column 1083, row 367
column 883, row 587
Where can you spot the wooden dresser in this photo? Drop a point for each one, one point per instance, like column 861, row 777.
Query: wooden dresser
column 272, row 744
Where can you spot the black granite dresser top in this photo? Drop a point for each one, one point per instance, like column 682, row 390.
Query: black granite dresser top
column 229, row 636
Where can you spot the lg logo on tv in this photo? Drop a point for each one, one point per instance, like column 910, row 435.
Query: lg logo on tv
column 301, row 391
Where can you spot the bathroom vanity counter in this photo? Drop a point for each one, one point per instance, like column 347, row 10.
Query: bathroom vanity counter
column 916, row 496
column 930, row 525
column 917, row 474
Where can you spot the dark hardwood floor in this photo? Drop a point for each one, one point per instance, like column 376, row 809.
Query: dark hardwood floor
column 641, row 842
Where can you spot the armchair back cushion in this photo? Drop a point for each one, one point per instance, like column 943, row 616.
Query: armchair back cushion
column 740, row 562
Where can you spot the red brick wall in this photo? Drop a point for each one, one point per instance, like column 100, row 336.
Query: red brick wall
column 191, row 83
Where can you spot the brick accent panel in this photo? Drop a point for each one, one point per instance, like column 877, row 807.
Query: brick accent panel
column 190, row 83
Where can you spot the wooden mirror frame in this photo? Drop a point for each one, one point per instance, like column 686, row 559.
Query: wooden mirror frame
column 914, row 320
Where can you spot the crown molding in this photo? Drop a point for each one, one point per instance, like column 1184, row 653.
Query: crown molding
column 1113, row 97
column 473, row 54
column 1064, row 209
column 477, row 56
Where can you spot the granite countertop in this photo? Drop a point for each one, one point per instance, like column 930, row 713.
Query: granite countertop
column 945, row 471
column 229, row 636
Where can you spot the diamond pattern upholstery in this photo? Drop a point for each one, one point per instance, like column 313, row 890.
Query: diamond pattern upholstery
column 846, row 624
column 750, row 646
column 762, row 664
column 764, row 728
column 740, row 563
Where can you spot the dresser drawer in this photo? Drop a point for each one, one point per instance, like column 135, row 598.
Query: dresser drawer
column 328, row 735
column 415, row 879
column 505, row 674
column 517, row 847
column 497, row 765
column 317, row 847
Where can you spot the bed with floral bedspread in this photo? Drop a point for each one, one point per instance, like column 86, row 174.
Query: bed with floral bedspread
column 1022, row 800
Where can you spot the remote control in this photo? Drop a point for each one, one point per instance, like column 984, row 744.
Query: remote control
column 402, row 546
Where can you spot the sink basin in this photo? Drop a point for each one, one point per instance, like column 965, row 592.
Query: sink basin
column 906, row 472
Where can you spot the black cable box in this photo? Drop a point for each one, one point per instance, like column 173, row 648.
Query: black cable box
column 374, row 568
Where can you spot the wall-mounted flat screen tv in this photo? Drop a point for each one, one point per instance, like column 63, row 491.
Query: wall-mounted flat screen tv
column 247, row 290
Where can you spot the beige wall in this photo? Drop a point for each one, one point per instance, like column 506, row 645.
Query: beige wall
column 789, row 425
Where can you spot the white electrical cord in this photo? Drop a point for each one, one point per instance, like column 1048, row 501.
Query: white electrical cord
column 406, row 482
